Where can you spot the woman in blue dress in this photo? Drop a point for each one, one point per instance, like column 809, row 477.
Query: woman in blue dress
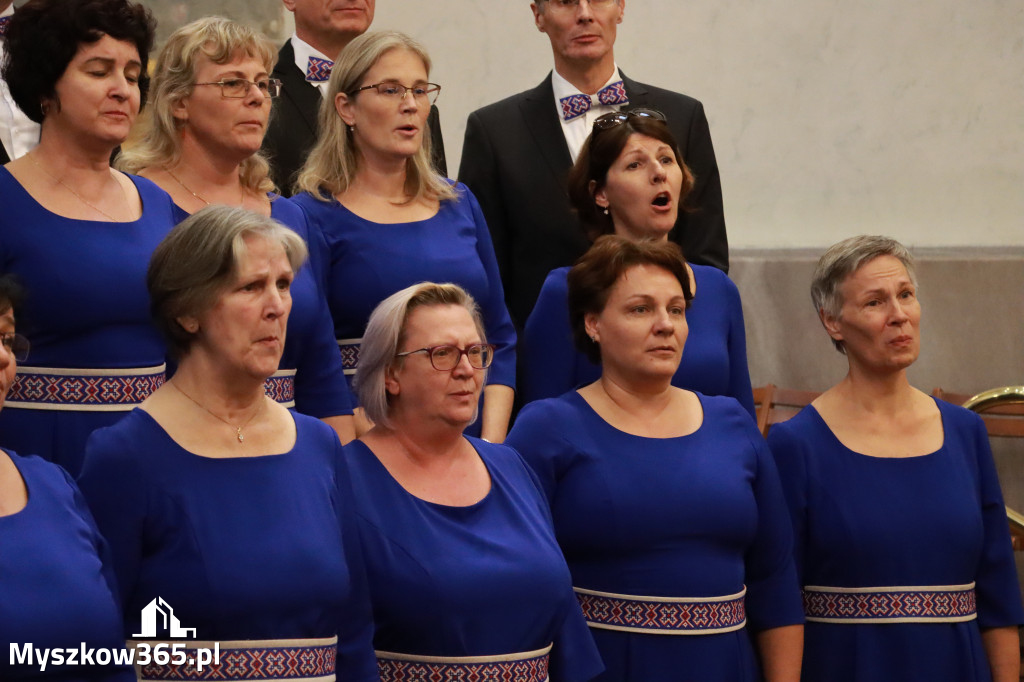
column 389, row 219
column 199, row 140
column 76, row 232
column 901, row 539
column 715, row 359
column 222, row 507
column 666, row 502
column 466, row 578
column 58, row 589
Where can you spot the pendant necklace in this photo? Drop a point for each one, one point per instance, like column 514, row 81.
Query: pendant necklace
column 32, row 158
column 238, row 429
column 241, row 193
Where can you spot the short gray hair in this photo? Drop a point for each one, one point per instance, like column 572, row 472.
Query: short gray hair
column 198, row 259
column 842, row 260
column 385, row 334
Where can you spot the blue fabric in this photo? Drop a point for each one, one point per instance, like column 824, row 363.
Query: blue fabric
column 240, row 548
column 479, row 580
column 57, row 587
column 714, row 360
column 370, row 261
column 87, row 305
column 864, row 521
column 694, row 516
column 310, row 349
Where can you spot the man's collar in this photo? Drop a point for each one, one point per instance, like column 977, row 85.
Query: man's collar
column 564, row 88
column 303, row 51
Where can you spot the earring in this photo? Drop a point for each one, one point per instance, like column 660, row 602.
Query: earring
column 605, row 210
column 593, row 338
column 352, row 127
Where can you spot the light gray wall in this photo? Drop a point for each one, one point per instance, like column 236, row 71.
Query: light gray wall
column 829, row 118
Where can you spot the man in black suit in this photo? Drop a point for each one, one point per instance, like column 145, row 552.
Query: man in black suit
column 322, row 29
column 518, row 152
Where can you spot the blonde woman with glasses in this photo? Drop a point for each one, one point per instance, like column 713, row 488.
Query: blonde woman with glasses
column 389, row 218
column 200, row 142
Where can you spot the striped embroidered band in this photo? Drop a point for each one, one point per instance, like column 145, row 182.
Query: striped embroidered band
column 83, row 390
column 663, row 615
column 349, row 354
column 281, row 387
column 529, row 666
column 930, row 604
column 294, row 660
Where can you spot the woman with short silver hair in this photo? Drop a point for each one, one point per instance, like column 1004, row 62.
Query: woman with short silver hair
column 215, row 498
column 389, row 218
column 199, row 140
column 464, row 571
column 902, row 544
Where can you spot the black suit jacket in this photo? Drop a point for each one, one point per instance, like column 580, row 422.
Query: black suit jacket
column 293, row 124
column 516, row 161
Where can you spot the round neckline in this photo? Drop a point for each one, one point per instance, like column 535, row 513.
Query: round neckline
column 703, row 420
column 131, row 178
column 824, row 425
column 448, row 507
column 352, row 213
column 166, row 436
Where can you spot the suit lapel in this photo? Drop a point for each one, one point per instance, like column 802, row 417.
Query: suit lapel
column 304, row 95
column 636, row 92
column 538, row 110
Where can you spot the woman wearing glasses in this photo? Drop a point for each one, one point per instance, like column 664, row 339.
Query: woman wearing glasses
column 58, row 589
column 77, row 233
column 199, row 140
column 665, row 501
column 466, row 578
column 390, row 220
column 630, row 180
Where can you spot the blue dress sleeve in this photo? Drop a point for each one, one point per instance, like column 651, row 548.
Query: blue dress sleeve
column 773, row 593
column 547, row 352
column 497, row 322
column 997, row 587
column 116, row 492
column 739, row 372
column 357, row 661
column 788, row 452
column 537, row 438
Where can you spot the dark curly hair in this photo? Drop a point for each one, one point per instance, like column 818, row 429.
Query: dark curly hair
column 599, row 152
column 45, row 35
column 599, row 269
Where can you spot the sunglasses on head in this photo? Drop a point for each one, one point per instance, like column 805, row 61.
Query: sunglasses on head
column 619, row 117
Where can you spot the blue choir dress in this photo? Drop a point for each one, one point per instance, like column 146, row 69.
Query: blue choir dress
column 479, row 580
column 933, row 520
column 714, row 359
column 242, row 548
column 696, row 516
column 370, row 261
column 86, row 308
column 310, row 376
column 57, row 586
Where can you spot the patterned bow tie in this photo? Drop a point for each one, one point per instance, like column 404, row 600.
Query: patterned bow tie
column 574, row 106
column 4, row 21
column 319, row 70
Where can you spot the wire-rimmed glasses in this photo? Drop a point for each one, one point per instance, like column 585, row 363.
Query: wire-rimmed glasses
column 425, row 92
column 447, row 357
column 16, row 344
column 238, row 88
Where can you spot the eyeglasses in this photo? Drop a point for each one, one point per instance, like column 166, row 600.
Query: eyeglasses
column 238, row 88
column 427, row 92
column 16, row 344
column 573, row 5
column 606, row 121
column 447, row 357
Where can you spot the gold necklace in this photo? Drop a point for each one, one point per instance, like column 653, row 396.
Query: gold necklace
column 32, row 158
column 241, row 193
column 238, row 429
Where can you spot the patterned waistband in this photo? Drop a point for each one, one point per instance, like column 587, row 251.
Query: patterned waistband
column 929, row 604
column 294, row 660
column 349, row 354
column 281, row 387
column 663, row 615
column 529, row 666
column 83, row 390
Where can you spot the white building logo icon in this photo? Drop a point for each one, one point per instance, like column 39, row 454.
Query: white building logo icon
column 158, row 608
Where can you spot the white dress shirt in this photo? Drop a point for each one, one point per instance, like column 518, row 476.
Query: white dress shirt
column 303, row 51
column 18, row 133
column 577, row 130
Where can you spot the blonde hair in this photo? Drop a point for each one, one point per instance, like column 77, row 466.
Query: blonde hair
column 333, row 162
column 385, row 334
column 156, row 139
